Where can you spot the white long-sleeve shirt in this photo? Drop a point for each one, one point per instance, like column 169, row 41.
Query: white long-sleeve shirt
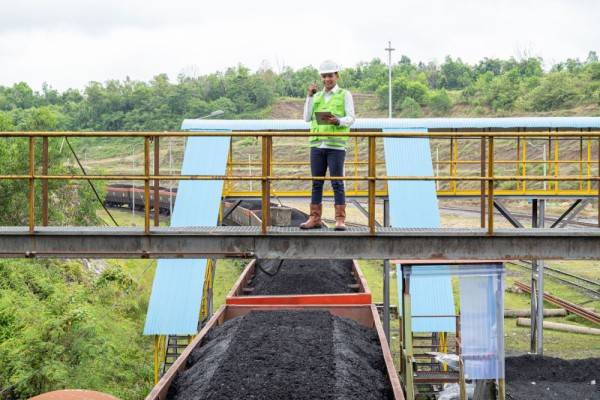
column 347, row 120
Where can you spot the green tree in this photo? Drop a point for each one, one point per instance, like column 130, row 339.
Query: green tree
column 455, row 74
column 555, row 91
column 61, row 326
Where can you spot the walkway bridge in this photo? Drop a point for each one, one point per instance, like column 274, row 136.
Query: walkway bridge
column 475, row 162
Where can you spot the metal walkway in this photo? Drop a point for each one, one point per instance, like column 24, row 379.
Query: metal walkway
column 227, row 242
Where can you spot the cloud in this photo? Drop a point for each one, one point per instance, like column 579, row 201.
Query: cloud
column 96, row 17
column 68, row 43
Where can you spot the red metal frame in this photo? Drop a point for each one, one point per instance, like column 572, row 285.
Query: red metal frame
column 362, row 297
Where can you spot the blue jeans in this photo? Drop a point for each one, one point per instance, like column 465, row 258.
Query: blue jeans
column 320, row 160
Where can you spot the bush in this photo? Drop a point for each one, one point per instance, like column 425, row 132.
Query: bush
column 410, row 108
column 439, row 102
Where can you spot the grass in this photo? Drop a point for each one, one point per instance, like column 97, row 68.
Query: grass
column 557, row 344
column 227, row 272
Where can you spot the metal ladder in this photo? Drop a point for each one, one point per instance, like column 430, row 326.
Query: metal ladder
column 174, row 348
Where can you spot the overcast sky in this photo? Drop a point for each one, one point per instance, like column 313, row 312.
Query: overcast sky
column 68, row 43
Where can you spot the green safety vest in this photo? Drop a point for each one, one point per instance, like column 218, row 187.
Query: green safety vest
column 337, row 106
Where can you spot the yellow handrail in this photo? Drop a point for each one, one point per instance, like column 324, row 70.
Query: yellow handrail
column 460, row 169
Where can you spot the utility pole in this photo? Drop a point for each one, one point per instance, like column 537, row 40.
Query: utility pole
column 389, row 49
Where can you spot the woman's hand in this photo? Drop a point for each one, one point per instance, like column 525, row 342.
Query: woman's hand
column 312, row 89
column 333, row 120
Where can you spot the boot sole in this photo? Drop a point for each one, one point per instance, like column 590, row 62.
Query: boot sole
column 312, row 227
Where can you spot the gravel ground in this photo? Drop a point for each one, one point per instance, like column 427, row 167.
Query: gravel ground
column 302, row 355
column 532, row 378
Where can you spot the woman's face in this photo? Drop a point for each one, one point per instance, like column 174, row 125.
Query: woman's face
column 329, row 80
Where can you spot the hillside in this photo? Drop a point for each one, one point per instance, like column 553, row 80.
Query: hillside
column 366, row 106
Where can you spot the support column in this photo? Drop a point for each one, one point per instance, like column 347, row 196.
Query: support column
column 407, row 343
column 540, row 287
column 386, row 277
column 537, row 284
column 533, row 297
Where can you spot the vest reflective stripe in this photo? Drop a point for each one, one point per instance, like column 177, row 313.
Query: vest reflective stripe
column 337, row 106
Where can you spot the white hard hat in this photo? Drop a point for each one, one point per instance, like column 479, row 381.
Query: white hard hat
column 328, row 66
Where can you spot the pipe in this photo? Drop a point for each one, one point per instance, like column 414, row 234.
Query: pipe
column 561, row 327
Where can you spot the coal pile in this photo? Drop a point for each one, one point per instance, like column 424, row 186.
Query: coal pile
column 533, row 377
column 285, row 354
column 291, row 277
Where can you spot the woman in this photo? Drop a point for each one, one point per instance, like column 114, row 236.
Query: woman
column 328, row 152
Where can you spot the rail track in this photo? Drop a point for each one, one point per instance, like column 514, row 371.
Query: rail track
column 588, row 285
column 548, row 219
column 571, row 307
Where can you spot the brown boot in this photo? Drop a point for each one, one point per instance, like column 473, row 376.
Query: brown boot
column 340, row 217
column 314, row 219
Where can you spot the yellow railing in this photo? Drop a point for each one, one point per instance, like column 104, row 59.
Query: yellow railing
column 485, row 175
column 458, row 159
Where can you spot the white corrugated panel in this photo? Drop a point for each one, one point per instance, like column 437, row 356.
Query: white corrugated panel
column 482, row 322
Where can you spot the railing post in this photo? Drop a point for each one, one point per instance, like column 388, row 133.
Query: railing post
column 490, row 185
column 482, row 173
column 589, row 164
column 355, row 184
column 146, row 184
column 598, row 181
column 524, row 173
column 454, row 164
column 228, row 184
column 581, row 162
column 372, row 180
column 556, row 163
column 31, row 184
column 518, row 159
column 386, row 277
column 156, row 181
column 266, row 142
column 45, row 181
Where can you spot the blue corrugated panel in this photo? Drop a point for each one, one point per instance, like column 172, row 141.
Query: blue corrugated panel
column 404, row 123
column 413, row 204
column 174, row 306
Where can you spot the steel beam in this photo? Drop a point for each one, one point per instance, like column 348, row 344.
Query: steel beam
column 364, row 211
column 507, row 214
column 571, row 213
column 356, row 243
